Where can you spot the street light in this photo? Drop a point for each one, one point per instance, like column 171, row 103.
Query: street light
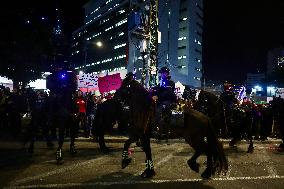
column 99, row 44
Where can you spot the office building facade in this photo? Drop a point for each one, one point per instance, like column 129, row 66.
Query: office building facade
column 275, row 58
column 100, row 45
column 181, row 27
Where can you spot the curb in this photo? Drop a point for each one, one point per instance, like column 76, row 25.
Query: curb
column 111, row 139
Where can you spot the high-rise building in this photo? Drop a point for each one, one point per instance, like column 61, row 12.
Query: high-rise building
column 103, row 44
column 100, row 44
column 275, row 58
column 181, row 27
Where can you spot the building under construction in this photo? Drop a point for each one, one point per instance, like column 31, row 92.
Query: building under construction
column 140, row 36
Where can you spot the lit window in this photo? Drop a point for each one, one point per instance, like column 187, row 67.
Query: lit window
column 181, row 38
column 184, row 19
column 120, row 57
column 108, row 1
column 182, row 57
column 109, row 28
column 198, row 69
column 121, row 22
column 119, row 46
column 121, row 11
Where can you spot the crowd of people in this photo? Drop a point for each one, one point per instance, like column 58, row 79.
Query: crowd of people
column 38, row 109
column 28, row 112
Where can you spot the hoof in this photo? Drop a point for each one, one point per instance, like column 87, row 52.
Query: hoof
column 250, row 149
column 193, row 165
column 59, row 162
column 281, row 147
column 148, row 173
column 105, row 150
column 206, row 174
column 138, row 143
column 232, row 143
column 73, row 150
column 125, row 162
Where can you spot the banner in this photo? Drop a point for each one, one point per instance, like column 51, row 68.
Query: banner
column 88, row 80
column 109, row 83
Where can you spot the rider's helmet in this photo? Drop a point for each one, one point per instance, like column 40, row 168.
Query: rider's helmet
column 164, row 70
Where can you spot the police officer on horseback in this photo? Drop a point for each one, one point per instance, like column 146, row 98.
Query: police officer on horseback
column 165, row 98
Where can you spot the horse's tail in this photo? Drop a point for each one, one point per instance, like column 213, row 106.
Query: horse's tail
column 219, row 159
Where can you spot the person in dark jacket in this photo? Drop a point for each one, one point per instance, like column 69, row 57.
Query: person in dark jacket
column 165, row 98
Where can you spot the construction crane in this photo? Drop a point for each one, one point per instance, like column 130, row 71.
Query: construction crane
column 144, row 28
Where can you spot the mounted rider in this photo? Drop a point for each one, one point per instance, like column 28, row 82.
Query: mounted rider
column 164, row 96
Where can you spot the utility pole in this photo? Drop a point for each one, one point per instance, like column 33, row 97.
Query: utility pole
column 147, row 35
column 153, row 42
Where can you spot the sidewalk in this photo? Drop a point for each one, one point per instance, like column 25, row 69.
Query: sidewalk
column 122, row 139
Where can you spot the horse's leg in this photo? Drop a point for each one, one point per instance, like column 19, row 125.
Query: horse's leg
column 61, row 134
column 149, row 171
column 209, row 169
column 73, row 134
column 249, row 132
column 192, row 161
column 126, row 160
column 32, row 135
column 200, row 148
column 101, row 139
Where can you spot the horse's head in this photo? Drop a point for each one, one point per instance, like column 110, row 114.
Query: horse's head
column 126, row 89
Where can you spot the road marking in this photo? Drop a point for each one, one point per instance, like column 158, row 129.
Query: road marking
column 168, row 157
column 163, row 160
column 57, row 171
column 130, row 182
column 266, row 158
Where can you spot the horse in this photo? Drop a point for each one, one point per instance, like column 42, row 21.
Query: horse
column 212, row 106
column 107, row 114
column 65, row 118
column 227, row 117
column 197, row 131
column 278, row 112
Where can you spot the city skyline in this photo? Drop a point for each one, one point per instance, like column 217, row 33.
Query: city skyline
column 236, row 38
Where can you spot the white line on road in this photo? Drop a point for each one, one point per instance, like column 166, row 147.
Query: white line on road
column 266, row 158
column 57, row 171
column 165, row 159
column 131, row 182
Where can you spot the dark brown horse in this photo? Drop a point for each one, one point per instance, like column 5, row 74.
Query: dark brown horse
column 197, row 131
column 228, row 119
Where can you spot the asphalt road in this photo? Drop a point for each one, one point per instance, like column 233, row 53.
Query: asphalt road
column 91, row 169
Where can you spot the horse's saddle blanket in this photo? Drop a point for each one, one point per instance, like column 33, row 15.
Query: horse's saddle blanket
column 177, row 119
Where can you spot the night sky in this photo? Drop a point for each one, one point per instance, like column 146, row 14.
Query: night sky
column 237, row 33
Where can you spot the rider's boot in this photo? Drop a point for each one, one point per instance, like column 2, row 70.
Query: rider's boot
column 149, row 172
column 59, row 158
column 126, row 160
